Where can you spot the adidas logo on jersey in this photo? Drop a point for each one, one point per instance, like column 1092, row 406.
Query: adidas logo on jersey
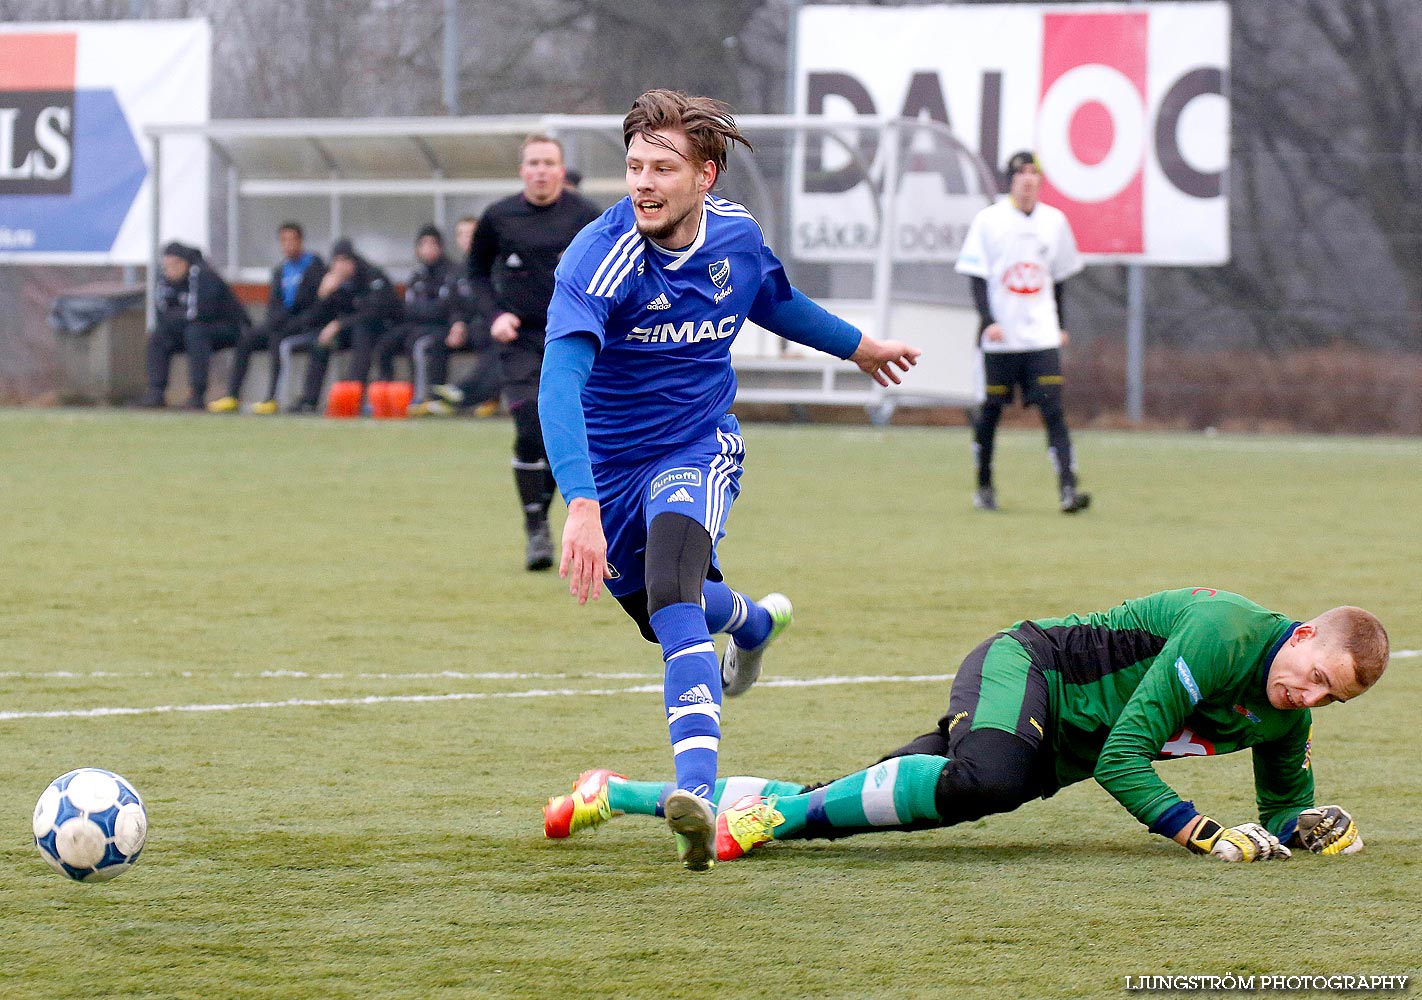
column 660, row 302
column 680, row 496
column 699, row 695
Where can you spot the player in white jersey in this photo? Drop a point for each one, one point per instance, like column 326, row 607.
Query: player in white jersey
column 637, row 385
column 1017, row 254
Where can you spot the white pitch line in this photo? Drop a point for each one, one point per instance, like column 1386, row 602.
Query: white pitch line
column 447, row 675
column 786, row 682
column 94, row 713
column 450, row 675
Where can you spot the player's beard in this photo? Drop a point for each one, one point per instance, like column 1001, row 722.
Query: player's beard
column 661, row 230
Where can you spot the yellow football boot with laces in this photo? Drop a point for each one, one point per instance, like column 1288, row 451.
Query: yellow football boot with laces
column 744, row 825
column 586, row 808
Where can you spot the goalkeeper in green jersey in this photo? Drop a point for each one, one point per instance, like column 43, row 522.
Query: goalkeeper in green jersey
column 1053, row 701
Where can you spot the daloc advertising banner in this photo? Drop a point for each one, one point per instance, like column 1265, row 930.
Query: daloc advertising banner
column 1126, row 106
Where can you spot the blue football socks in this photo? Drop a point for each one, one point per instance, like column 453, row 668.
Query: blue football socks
column 728, row 611
column 692, row 694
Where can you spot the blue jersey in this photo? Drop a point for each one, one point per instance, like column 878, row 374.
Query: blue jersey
column 664, row 322
column 292, row 271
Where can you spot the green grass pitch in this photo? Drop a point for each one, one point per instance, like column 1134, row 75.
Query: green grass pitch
column 390, row 698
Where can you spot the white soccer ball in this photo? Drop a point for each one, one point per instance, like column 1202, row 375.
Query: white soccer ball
column 90, row 825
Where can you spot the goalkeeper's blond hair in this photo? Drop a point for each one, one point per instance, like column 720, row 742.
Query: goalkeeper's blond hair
column 1359, row 634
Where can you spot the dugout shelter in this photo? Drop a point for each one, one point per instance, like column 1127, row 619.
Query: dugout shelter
column 378, row 180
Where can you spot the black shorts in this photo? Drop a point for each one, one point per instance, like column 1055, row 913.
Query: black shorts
column 522, row 363
column 1037, row 373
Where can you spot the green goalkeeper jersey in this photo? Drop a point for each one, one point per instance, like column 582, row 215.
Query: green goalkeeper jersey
column 1175, row 674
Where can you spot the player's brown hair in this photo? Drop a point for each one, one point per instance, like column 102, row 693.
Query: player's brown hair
column 706, row 122
column 1359, row 634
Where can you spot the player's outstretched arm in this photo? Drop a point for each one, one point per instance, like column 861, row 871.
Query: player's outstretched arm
column 805, row 321
column 878, row 358
column 1246, row 842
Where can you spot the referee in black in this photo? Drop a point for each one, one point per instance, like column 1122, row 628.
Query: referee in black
column 511, row 262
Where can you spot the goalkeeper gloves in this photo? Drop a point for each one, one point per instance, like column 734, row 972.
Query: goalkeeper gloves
column 1246, row 842
column 1329, row 830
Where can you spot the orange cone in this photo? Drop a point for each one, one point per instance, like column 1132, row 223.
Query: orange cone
column 379, row 393
column 398, row 396
column 343, row 401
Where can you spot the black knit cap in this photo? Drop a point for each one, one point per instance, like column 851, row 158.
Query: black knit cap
column 1017, row 161
column 182, row 251
column 430, row 229
column 343, row 247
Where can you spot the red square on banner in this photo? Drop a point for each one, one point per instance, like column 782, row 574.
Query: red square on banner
column 1091, row 126
column 37, row 62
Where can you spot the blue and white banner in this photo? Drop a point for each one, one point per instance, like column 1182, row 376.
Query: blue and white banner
column 75, row 169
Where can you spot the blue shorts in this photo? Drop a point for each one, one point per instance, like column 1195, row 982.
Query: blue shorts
column 700, row 480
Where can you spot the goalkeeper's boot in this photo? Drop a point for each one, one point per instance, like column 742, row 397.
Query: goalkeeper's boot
column 587, row 807
column 744, row 825
column 1072, row 501
column 693, row 821
column 266, row 408
column 227, row 404
column 740, row 667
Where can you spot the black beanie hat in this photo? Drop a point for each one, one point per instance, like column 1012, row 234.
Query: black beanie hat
column 343, row 247
column 430, row 229
column 1017, row 161
column 181, row 250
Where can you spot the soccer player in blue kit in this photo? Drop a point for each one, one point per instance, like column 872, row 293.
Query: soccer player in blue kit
column 636, row 389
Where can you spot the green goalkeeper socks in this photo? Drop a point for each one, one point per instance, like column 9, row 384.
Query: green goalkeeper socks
column 898, row 792
column 645, row 798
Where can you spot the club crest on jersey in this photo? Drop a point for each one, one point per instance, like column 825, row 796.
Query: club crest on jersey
column 1024, row 278
column 720, row 272
column 685, row 476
